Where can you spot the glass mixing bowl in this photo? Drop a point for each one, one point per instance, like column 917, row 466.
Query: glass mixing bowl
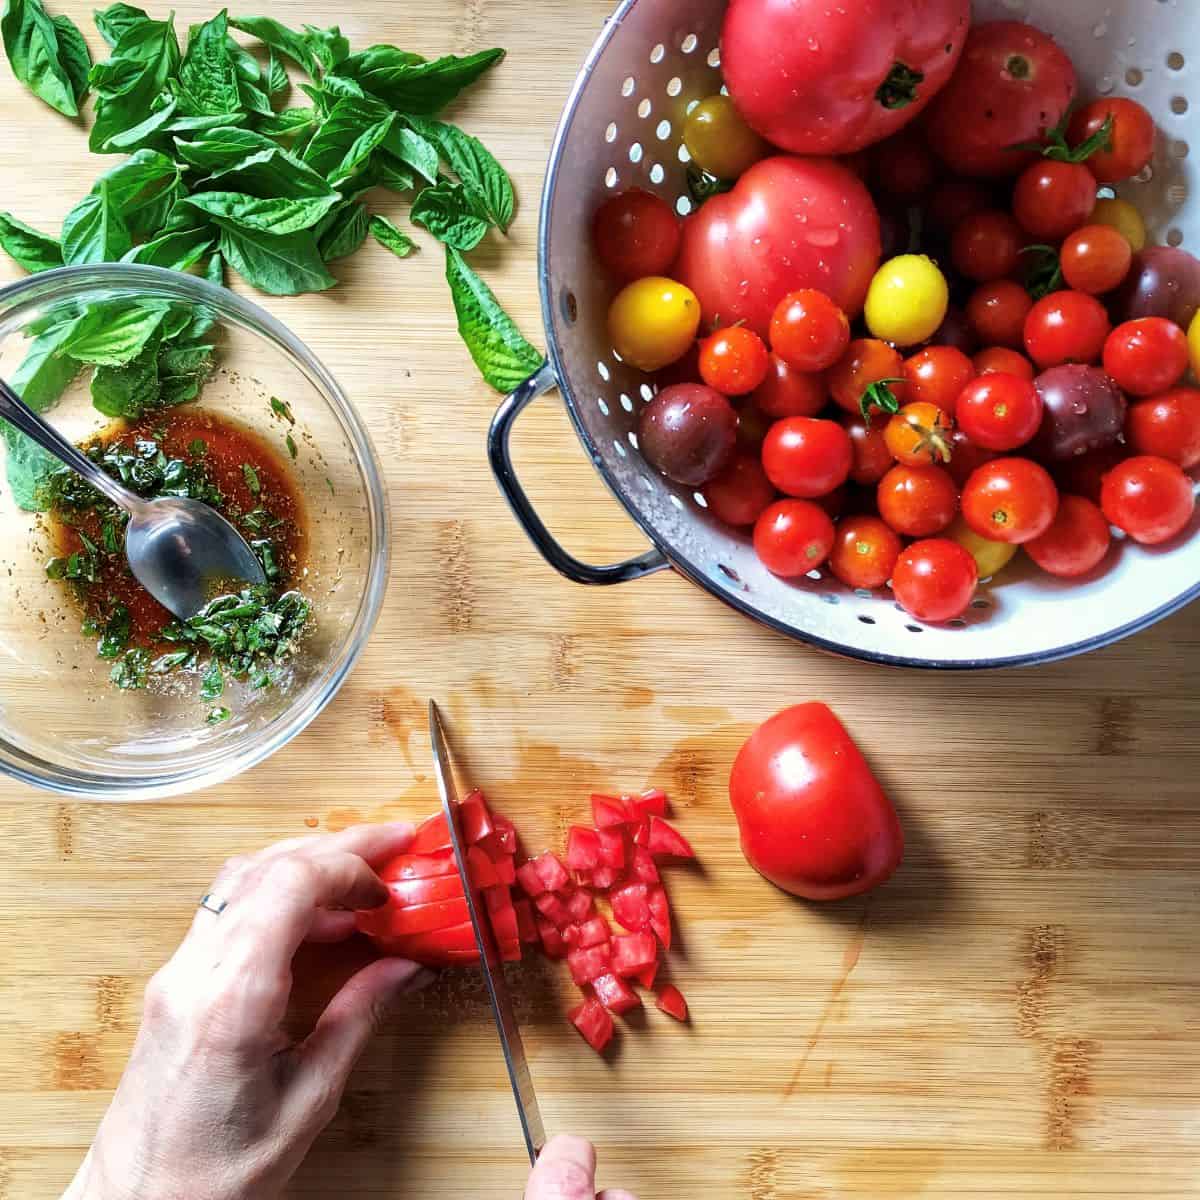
column 63, row 725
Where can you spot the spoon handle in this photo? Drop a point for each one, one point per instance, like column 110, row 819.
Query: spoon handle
column 16, row 412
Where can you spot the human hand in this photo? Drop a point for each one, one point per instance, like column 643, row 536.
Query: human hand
column 566, row 1170
column 216, row 1102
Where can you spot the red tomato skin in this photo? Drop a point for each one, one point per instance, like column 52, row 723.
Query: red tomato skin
column 1150, row 498
column 789, row 223
column 813, row 819
column 986, row 245
column 786, row 392
column 740, row 493
column 957, row 199
column 806, row 457
column 808, row 331
column 734, row 361
column 1084, row 474
column 864, row 552
column 1066, row 327
column 1000, row 412
column 935, row 579
column 966, row 457
column 917, row 501
column 635, row 234
column 997, row 310
column 1010, row 500
column 1166, row 426
column 1001, row 358
column 793, row 537
column 987, row 108
column 1076, row 542
column 1053, row 199
column 1132, row 137
column 1146, row 356
column 937, row 376
column 872, row 458
column 805, row 74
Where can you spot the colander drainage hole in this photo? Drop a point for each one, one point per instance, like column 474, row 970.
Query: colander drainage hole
column 570, row 307
column 957, row 623
column 866, row 620
column 979, row 603
column 914, row 629
column 1176, row 61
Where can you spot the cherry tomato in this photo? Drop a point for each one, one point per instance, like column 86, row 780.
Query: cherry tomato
column 955, row 330
column 1001, row 358
column 808, row 331
column 752, row 426
column 1124, row 218
column 786, row 392
column 935, row 580
column 1146, row 356
column 1010, row 500
column 1076, row 541
column 1084, row 474
column 867, row 361
column 955, row 200
column 864, row 552
column 904, row 168
column 807, row 457
column 1130, row 141
column 986, row 245
column 688, row 432
column 1164, row 281
column 998, row 310
column 653, row 321
column 1150, row 498
column 990, row 557
column 919, row 435
column 917, row 501
column 1095, row 259
column 792, row 537
column 1166, row 426
column 1082, row 410
column 936, row 375
column 1000, row 412
column 635, row 234
column 1052, row 198
column 1194, row 344
column 907, row 300
column 966, row 457
column 1066, row 327
column 872, row 458
column 719, row 140
column 733, row 360
column 740, row 493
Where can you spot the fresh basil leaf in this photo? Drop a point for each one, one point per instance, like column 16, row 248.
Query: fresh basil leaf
column 208, row 79
column 212, row 684
column 279, row 38
column 280, row 265
column 245, row 64
column 338, row 86
column 33, row 250
column 175, row 251
column 182, row 372
column 348, row 137
column 204, row 124
column 409, row 83
column 277, row 76
column 254, row 98
column 113, row 333
column 127, row 390
column 46, row 54
column 270, row 216
column 328, row 46
column 486, row 181
column 288, row 122
column 396, row 240
column 116, row 19
column 214, row 272
column 504, row 357
column 345, row 233
column 447, row 212
column 146, row 133
column 391, row 173
column 93, row 231
column 143, row 190
column 269, row 174
column 27, row 467
column 129, row 83
column 412, row 148
column 221, row 147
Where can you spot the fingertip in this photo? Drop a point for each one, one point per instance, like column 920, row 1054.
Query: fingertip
column 569, row 1146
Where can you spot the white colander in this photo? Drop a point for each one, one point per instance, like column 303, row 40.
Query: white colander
column 622, row 126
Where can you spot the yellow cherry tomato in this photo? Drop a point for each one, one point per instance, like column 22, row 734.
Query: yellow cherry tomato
column 719, row 140
column 990, row 557
column 907, row 300
column 1124, row 218
column 1194, row 345
column 653, row 321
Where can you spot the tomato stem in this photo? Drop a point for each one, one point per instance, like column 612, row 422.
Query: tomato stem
column 899, row 89
column 1018, row 66
column 1043, row 273
column 879, row 395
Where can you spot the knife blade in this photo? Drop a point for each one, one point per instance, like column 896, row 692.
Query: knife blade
column 489, row 959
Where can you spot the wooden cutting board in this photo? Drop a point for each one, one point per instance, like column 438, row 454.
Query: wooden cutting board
column 1016, row 1014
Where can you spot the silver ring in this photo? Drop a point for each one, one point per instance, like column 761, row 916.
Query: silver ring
column 214, row 904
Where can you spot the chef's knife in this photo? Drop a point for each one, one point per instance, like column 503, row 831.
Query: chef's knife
column 489, row 959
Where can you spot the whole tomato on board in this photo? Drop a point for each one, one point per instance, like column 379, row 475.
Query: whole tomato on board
column 788, row 223
column 813, row 819
column 1012, row 84
column 818, row 78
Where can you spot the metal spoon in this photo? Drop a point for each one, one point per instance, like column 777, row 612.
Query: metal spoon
column 179, row 550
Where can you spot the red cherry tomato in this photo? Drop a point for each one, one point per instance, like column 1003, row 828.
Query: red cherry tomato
column 1095, row 259
column 955, row 200
column 807, row 457
column 872, row 458
column 1052, row 198
column 1010, row 500
column 936, row 375
column 1076, row 541
column 1131, row 139
column 740, row 494
column 1083, row 475
column 635, row 234
column 864, row 552
column 733, row 360
column 998, row 310
column 793, row 537
column 1146, row 356
column 1001, row 358
column 966, row 457
column 904, row 169
column 867, row 361
column 935, row 579
column 1000, row 412
column 986, row 245
column 786, row 392
column 808, row 331
column 917, row 501
column 919, row 435
column 1066, row 327
column 1150, row 498
column 1166, row 426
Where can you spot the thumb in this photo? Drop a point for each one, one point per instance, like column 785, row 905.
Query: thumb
column 565, row 1170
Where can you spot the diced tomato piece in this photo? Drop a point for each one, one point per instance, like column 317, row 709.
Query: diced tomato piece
column 504, row 926
column 474, row 818
column 589, row 962
column 497, row 898
column 400, row 919
column 530, row 879
column 660, row 914
column 594, row 932
column 505, row 836
column 432, row 834
column 552, row 873
column 580, row 905
column 553, row 909
column 647, row 975
column 666, row 839
column 419, row 866
column 632, row 952
column 642, row 867
column 607, row 812
column 583, row 848
column 480, row 869
column 526, row 926
column 594, row 1023
column 652, row 802
column 426, row 891
column 552, row 941
column 630, row 907
column 505, row 871
column 641, row 832
column 670, row 1000
column 571, row 935
column 511, row 952
column 612, row 847
column 604, row 877
column 615, row 994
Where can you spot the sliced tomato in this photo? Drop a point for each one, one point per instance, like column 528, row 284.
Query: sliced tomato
column 607, row 811
column 630, row 907
column 553, row 874
column 432, row 835
column 583, row 848
column 474, row 818
column 652, row 802
column 580, row 905
column 612, row 847
column 603, row 877
column 496, row 898
column 504, row 925
column 436, row 947
column 615, row 994
column 594, row 1023
column 641, row 832
column 660, row 914
column 526, row 925
column 404, row 919
column 666, row 839
column 530, row 879
column 670, row 1000
column 553, row 943
column 593, row 932
column 511, row 952
column 633, row 952
column 647, row 975
column 419, row 866
column 503, row 840
column 590, row 962
column 481, row 871
column 570, row 935
column 553, row 909
column 426, row 891
column 505, row 871
column 642, row 867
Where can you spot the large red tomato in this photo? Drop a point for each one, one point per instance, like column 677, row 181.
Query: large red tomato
column 813, row 819
column 1012, row 85
column 819, row 78
column 789, row 223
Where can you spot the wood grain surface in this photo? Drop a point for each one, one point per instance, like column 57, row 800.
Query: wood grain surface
column 1015, row 1014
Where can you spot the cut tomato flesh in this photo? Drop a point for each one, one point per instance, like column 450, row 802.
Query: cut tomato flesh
column 425, row 891
column 594, row 932
column 421, row 947
column 480, row 869
column 666, row 839
column 427, row 918
column 630, row 907
column 660, row 914
column 670, row 1000
column 607, row 812
column 505, row 871
column 580, row 905
column 553, row 909
column 631, row 952
column 583, row 848
column 652, row 802
column 642, row 867
column 530, row 880
column 419, row 866
column 647, row 975
column 432, row 834
column 612, row 847
column 504, row 926
column 587, row 963
column 474, row 818
column 641, row 832
column 604, row 877
column 526, row 926
column 552, row 941
column 615, row 994
column 552, row 873
column 594, row 1023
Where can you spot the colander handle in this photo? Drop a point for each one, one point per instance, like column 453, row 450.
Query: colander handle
column 501, row 459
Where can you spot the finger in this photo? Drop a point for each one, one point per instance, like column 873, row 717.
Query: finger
column 565, row 1170
column 331, row 925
